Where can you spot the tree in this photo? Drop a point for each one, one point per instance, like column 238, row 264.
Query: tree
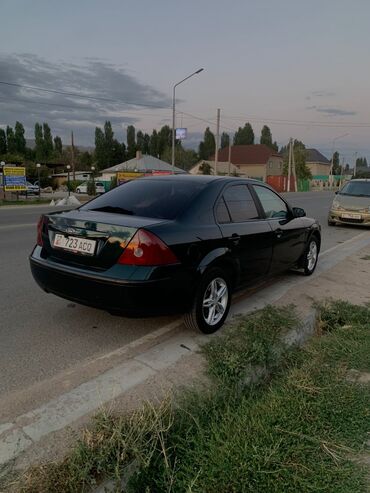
column 300, row 153
column 205, row 168
column 131, row 142
column 118, row 152
column 244, row 135
column 164, row 139
column 85, row 160
column 154, row 144
column 39, row 142
column 185, row 158
column 3, row 146
column 58, row 146
column 266, row 137
column 140, row 144
column 100, row 148
column 20, row 141
column 361, row 162
column 336, row 166
column 108, row 142
column 225, row 140
column 48, row 142
column 208, row 146
column 10, row 139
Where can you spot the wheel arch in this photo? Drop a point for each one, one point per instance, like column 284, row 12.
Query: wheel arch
column 222, row 259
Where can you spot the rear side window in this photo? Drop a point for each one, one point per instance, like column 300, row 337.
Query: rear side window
column 159, row 199
column 240, row 204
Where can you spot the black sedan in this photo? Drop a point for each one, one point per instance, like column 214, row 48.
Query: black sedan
column 173, row 243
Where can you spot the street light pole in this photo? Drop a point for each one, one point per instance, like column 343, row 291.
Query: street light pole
column 69, row 189
column 174, row 114
column 38, row 166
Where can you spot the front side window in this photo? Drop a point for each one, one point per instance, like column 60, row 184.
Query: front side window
column 272, row 204
column 240, row 203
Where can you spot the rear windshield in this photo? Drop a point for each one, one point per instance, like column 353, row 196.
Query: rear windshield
column 359, row 188
column 160, row 199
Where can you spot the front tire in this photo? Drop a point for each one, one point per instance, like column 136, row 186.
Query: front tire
column 211, row 302
column 311, row 256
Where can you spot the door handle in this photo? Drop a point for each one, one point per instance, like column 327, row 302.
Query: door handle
column 278, row 232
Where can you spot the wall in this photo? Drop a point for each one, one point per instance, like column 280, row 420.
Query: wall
column 319, row 169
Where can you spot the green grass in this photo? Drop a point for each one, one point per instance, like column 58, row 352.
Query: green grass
column 24, row 202
column 296, row 431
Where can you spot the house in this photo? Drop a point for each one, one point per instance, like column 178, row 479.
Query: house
column 142, row 163
column 318, row 164
column 254, row 161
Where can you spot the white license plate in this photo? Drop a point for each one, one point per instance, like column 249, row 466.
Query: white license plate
column 351, row 216
column 74, row 244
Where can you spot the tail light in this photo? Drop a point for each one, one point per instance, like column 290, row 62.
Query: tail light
column 40, row 225
column 146, row 248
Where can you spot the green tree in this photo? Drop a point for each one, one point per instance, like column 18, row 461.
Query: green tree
column 205, row 168
column 185, row 158
column 225, row 140
column 85, row 160
column 20, row 141
column 300, row 154
column 164, row 139
column 108, row 142
column 244, row 135
column 58, row 146
column 3, row 146
column 118, row 152
column 131, row 142
column 140, row 144
column 100, row 157
column 48, row 142
column 39, row 142
column 10, row 139
column 266, row 137
column 336, row 166
column 208, row 146
column 154, row 144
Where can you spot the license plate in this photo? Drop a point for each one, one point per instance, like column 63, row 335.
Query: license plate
column 74, row 244
column 351, row 216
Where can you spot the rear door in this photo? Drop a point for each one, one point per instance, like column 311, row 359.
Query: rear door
column 248, row 236
column 289, row 231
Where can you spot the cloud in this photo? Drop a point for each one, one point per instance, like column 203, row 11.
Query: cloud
column 121, row 97
column 323, row 94
column 336, row 111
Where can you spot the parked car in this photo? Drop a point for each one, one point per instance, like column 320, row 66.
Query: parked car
column 99, row 187
column 351, row 205
column 32, row 189
column 173, row 243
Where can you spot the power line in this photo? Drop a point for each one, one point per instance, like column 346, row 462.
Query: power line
column 298, row 122
column 84, row 96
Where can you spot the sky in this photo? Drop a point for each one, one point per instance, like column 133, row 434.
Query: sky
column 300, row 67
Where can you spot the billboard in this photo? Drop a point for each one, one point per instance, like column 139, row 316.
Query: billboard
column 181, row 133
column 14, row 179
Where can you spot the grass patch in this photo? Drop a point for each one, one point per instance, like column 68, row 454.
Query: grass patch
column 366, row 257
column 24, row 202
column 297, row 431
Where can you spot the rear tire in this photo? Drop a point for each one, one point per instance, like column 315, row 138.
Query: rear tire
column 211, row 302
column 311, row 256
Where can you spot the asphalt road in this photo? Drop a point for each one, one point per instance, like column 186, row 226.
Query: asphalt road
column 42, row 335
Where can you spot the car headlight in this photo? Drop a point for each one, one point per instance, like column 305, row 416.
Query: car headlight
column 336, row 204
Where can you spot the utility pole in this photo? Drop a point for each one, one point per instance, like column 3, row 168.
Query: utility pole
column 217, row 139
column 294, row 170
column 229, row 160
column 73, row 158
column 289, row 164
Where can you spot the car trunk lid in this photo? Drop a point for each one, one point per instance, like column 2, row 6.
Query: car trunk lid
column 107, row 233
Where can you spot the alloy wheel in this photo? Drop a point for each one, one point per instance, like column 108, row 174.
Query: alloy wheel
column 215, row 301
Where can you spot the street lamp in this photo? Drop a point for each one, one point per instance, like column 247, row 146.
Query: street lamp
column 93, row 181
column 69, row 190
column 38, row 166
column 173, row 114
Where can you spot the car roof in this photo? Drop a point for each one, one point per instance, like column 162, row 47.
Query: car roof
column 360, row 179
column 199, row 178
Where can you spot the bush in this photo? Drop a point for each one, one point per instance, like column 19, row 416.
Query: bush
column 91, row 188
column 73, row 184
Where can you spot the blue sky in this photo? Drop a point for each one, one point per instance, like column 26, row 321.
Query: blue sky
column 300, row 67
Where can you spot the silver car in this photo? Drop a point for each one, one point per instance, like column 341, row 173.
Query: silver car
column 351, row 204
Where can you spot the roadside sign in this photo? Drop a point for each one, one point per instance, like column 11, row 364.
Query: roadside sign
column 14, row 179
column 123, row 176
column 181, row 133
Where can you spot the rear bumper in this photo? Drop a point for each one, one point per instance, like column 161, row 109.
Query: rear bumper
column 129, row 297
column 336, row 215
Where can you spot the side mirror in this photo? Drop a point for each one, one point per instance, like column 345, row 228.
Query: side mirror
column 299, row 212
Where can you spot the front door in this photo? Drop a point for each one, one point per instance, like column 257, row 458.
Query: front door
column 289, row 231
